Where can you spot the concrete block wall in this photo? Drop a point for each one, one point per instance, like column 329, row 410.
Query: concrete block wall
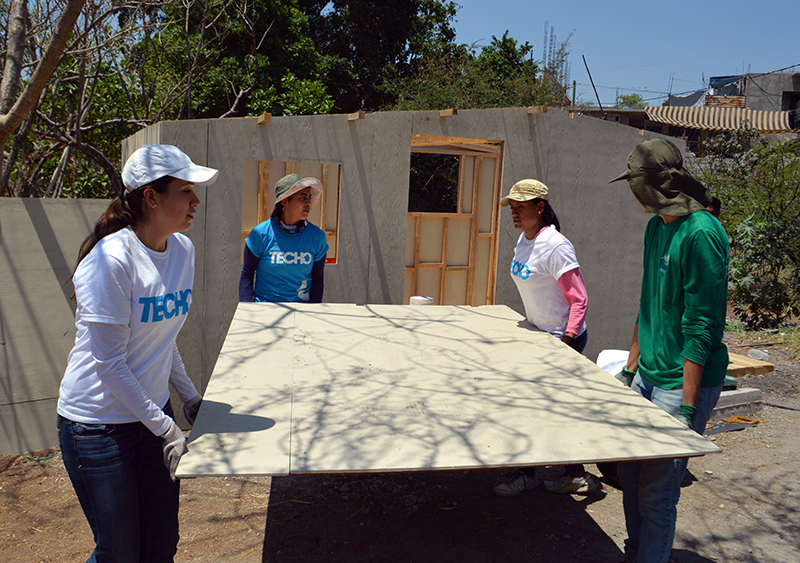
column 765, row 91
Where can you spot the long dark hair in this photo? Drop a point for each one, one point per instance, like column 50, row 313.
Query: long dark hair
column 548, row 215
column 277, row 210
column 123, row 211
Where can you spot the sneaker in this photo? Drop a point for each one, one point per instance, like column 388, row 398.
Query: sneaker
column 573, row 485
column 515, row 483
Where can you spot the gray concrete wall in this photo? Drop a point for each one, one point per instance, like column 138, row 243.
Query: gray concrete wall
column 765, row 91
column 375, row 154
column 575, row 156
column 39, row 241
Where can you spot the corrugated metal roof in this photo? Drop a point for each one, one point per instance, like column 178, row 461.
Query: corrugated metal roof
column 721, row 118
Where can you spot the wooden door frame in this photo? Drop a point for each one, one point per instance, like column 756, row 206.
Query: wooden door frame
column 462, row 147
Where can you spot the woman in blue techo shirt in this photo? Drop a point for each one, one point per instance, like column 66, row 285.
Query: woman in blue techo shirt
column 286, row 254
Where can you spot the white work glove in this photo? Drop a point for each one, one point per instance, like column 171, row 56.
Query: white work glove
column 191, row 407
column 174, row 447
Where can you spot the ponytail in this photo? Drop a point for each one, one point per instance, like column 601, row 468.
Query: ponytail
column 123, row 211
column 548, row 215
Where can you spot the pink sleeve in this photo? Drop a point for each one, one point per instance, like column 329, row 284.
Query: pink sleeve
column 574, row 289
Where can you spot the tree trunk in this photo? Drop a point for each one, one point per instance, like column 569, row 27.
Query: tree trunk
column 14, row 115
column 17, row 20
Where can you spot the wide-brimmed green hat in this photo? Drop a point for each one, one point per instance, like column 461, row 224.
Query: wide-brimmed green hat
column 289, row 185
column 659, row 181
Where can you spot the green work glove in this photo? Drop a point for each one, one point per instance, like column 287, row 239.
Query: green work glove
column 686, row 414
column 626, row 376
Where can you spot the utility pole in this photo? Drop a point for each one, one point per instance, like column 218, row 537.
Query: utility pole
column 573, row 92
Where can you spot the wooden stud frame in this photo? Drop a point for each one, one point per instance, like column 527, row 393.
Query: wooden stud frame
column 477, row 154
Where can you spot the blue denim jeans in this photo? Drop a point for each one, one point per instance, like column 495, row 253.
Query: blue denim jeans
column 124, row 488
column 651, row 488
column 580, row 341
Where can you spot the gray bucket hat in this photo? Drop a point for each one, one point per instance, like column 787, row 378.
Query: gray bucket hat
column 659, row 181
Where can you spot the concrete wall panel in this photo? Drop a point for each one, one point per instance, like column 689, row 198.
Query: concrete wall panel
column 230, row 143
column 374, row 191
column 39, row 241
column 29, row 426
column 574, row 155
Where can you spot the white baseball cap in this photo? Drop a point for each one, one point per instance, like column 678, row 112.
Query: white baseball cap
column 151, row 162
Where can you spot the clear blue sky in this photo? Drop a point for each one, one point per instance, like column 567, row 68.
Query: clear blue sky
column 643, row 47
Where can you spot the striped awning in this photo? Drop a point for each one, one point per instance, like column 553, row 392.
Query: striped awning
column 721, row 118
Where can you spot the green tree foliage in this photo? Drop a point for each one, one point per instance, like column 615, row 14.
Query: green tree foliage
column 368, row 46
column 81, row 115
column 759, row 186
column 254, row 46
column 131, row 63
column 433, row 183
column 503, row 74
column 631, row 101
column 136, row 62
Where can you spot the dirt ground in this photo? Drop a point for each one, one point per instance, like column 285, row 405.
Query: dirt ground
column 740, row 506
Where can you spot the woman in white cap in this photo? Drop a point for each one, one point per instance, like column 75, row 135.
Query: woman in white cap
column 286, row 254
column 133, row 284
column 549, row 280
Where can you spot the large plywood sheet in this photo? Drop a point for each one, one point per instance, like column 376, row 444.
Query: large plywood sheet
column 305, row 388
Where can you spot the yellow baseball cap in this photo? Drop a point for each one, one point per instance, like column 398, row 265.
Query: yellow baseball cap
column 526, row 190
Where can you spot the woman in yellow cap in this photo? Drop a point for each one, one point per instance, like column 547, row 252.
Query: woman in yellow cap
column 549, row 280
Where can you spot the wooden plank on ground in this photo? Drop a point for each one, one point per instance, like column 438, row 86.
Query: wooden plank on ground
column 739, row 366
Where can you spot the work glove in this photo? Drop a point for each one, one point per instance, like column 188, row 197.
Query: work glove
column 174, row 447
column 191, row 407
column 686, row 414
column 626, row 376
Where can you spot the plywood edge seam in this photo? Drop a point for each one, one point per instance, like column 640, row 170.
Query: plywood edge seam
column 536, row 109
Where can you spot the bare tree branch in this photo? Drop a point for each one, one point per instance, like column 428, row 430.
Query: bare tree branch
column 11, row 119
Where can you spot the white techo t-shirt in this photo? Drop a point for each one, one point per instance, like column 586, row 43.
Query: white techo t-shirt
column 536, row 268
column 134, row 300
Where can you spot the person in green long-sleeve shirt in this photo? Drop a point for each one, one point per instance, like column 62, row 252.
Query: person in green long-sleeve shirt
column 677, row 358
column 682, row 307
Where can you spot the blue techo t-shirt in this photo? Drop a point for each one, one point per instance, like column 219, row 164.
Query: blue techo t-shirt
column 285, row 261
